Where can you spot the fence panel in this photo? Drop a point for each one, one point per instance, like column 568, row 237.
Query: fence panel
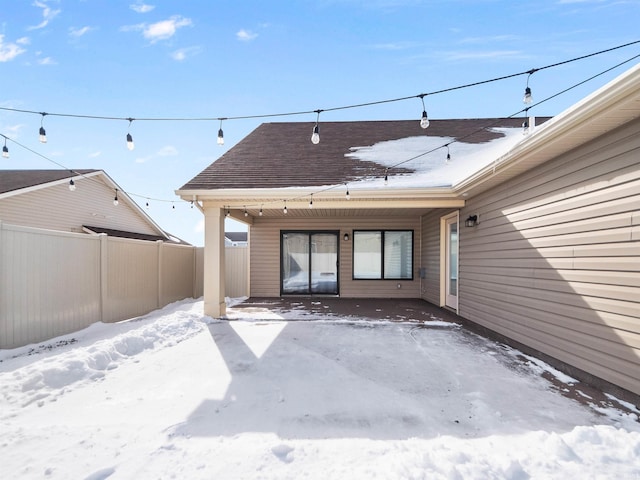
column 237, row 272
column 132, row 278
column 53, row 283
column 49, row 284
column 177, row 271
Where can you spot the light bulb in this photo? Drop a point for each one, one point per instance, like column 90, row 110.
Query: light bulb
column 525, row 127
column 315, row 138
column 527, row 96
column 220, row 137
column 147, row 205
column 130, row 144
column 386, row 179
column 115, row 200
column 311, row 203
column 43, row 135
column 5, row 152
column 72, row 185
column 424, row 121
column 260, row 212
column 285, row 209
column 348, row 196
column 246, row 214
column 448, row 158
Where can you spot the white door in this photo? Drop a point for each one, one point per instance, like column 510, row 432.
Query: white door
column 451, row 262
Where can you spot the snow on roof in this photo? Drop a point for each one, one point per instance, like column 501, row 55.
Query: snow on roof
column 431, row 169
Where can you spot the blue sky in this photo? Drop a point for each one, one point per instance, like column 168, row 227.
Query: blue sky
column 210, row 59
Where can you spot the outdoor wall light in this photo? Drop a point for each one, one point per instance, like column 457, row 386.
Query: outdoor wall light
column 472, row 221
column 346, row 237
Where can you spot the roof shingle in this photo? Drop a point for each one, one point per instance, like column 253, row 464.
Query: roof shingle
column 279, row 155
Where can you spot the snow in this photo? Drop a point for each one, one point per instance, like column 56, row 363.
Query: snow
column 175, row 394
column 431, row 169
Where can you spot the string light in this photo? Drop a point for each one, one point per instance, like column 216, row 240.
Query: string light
column 347, row 196
column 72, row 185
column 527, row 99
column 227, row 213
column 220, row 134
column 260, row 212
column 315, row 136
column 424, row 121
column 525, row 124
column 311, row 201
column 115, row 199
column 386, row 177
column 285, row 211
column 246, row 214
column 189, row 207
column 173, row 206
column 448, row 160
column 5, row 150
column 43, row 133
column 352, row 106
column 130, row 144
column 147, row 205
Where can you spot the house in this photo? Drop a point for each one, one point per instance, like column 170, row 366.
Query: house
column 534, row 237
column 236, row 239
column 80, row 201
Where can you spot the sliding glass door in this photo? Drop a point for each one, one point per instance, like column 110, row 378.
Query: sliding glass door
column 309, row 263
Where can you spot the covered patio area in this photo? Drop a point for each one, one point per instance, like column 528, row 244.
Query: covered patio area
column 315, row 308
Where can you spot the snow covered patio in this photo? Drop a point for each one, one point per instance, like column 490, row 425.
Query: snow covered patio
column 404, row 394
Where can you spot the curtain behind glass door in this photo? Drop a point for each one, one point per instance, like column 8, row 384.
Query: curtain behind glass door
column 295, row 263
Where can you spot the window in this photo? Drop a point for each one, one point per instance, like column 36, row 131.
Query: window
column 383, row 254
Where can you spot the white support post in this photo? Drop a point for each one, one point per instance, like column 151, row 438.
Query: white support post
column 214, row 263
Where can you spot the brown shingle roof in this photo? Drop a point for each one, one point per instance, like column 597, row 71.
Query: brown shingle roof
column 136, row 236
column 277, row 155
column 11, row 180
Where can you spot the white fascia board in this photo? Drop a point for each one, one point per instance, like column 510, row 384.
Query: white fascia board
column 318, row 193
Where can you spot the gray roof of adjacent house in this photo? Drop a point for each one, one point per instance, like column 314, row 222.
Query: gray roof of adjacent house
column 236, row 236
column 280, row 155
column 11, row 180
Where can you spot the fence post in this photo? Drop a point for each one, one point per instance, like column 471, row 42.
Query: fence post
column 160, row 243
column 104, row 276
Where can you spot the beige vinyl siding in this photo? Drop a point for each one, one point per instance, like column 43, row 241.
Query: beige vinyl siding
column 555, row 261
column 57, row 208
column 265, row 254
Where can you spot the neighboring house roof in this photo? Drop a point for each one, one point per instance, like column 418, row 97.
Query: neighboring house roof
column 132, row 235
column 281, row 155
column 12, row 180
column 17, row 182
column 236, row 236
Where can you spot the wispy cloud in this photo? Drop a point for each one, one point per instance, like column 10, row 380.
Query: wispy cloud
column 488, row 39
column 94, row 154
column 184, row 53
column 10, row 50
column 246, row 35
column 395, row 46
column 166, row 151
column 483, row 55
column 141, row 7
column 79, row 32
column 48, row 14
column 47, row 61
column 162, row 30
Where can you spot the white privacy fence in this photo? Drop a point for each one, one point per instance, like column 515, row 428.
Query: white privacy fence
column 52, row 283
column 236, row 272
